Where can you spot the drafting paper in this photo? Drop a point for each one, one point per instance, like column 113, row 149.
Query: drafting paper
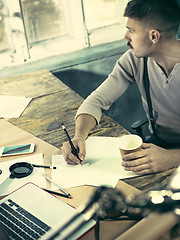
column 102, row 165
column 12, row 106
column 12, row 184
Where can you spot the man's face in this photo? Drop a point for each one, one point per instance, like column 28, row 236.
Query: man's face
column 137, row 37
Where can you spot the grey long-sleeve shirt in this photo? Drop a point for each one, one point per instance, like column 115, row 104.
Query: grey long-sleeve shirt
column 165, row 93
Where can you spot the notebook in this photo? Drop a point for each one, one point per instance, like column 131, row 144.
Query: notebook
column 31, row 213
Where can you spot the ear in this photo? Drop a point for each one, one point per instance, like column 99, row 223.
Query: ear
column 154, row 36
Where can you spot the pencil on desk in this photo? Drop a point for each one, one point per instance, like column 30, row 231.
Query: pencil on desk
column 74, row 150
column 43, row 166
column 56, row 185
column 56, row 193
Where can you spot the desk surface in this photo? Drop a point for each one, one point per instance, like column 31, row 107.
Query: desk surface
column 53, row 103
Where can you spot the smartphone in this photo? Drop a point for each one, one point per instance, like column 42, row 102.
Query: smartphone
column 17, row 150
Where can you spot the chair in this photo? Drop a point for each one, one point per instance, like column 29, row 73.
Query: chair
column 137, row 126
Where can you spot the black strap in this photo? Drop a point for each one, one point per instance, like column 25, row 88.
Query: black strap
column 148, row 97
column 154, row 137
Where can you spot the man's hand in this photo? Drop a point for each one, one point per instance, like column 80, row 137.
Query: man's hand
column 79, row 144
column 151, row 159
column 84, row 124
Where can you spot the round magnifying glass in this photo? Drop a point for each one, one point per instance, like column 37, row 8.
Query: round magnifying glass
column 18, row 170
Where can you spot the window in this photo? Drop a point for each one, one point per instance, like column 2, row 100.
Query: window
column 33, row 29
column 104, row 20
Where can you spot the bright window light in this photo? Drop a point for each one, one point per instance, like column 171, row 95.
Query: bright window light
column 35, row 29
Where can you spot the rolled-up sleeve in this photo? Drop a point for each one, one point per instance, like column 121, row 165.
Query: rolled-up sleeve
column 110, row 90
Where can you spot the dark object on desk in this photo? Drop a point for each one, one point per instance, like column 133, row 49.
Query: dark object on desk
column 20, row 170
column 74, row 150
column 0, row 171
column 56, row 185
column 24, row 169
column 57, row 193
column 43, row 166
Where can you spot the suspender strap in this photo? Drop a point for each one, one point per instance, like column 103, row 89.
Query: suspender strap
column 148, row 97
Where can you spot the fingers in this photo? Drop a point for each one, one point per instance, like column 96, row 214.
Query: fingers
column 82, row 150
column 148, row 145
column 137, row 162
column 145, row 161
column 142, row 171
column 134, row 163
column 134, row 155
column 138, row 167
column 69, row 157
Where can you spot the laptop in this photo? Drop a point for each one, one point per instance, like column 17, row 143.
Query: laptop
column 32, row 213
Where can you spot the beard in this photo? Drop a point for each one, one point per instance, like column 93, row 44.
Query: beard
column 139, row 53
column 129, row 45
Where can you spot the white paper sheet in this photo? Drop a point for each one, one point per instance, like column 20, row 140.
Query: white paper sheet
column 12, row 184
column 12, row 106
column 102, row 165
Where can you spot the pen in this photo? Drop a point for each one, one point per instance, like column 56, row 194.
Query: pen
column 56, row 185
column 43, row 166
column 74, row 150
column 56, row 193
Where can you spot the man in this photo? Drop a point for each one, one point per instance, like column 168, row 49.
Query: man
column 151, row 32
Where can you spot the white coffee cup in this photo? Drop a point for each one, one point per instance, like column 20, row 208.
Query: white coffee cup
column 130, row 143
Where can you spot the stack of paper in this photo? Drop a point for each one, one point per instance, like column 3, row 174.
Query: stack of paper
column 102, row 165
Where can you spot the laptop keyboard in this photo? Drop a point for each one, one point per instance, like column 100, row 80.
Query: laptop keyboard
column 19, row 223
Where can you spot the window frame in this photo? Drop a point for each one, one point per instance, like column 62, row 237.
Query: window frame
column 73, row 41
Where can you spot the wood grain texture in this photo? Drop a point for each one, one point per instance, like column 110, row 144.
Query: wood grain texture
column 53, row 103
column 33, row 84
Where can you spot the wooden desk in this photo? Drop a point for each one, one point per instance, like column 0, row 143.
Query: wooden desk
column 54, row 103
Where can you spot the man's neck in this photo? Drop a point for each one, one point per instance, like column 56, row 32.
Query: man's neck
column 167, row 55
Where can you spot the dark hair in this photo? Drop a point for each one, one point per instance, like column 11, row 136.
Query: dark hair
column 161, row 14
